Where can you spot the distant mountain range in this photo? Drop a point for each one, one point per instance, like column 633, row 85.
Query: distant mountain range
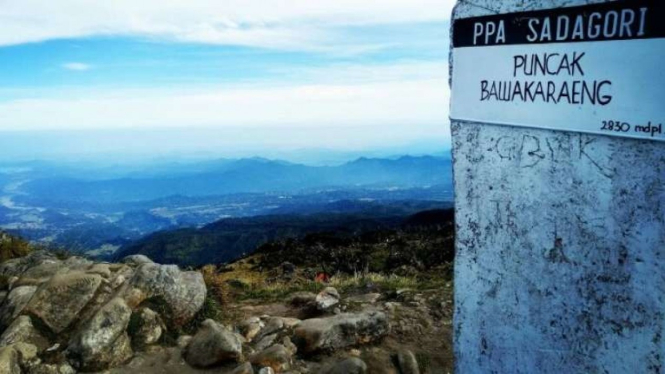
column 255, row 175
column 98, row 208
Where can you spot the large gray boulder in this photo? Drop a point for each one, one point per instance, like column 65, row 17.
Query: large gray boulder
column 147, row 327
column 181, row 292
column 59, row 301
column 340, row 331
column 15, row 302
column 103, row 342
column 23, row 331
column 213, row 345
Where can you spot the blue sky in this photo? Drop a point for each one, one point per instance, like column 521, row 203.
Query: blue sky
column 342, row 75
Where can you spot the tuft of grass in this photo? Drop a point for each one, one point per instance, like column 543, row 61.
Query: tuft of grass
column 278, row 291
column 12, row 247
column 211, row 309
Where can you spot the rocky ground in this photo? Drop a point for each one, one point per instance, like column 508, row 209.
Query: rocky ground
column 68, row 314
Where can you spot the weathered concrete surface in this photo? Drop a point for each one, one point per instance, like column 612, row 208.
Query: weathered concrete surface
column 560, row 262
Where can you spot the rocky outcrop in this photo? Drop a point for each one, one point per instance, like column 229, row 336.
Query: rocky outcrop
column 77, row 312
column 340, row 331
column 68, row 316
column 213, row 345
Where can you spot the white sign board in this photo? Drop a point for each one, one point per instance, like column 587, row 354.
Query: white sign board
column 596, row 69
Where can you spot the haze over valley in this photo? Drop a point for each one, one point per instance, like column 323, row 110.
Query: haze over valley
column 97, row 210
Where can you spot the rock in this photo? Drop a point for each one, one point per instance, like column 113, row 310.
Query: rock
column 182, row 292
column 15, row 302
column 407, row 362
column 27, row 355
column 290, row 323
column 272, row 325
column 266, row 370
column 41, row 273
column 276, row 357
column 9, row 361
column 59, row 301
column 292, row 348
column 104, row 270
column 340, row 331
column 302, row 298
column 352, row 365
column 23, row 331
column 212, row 345
column 251, row 327
column 17, row 266
column 406, row 295
column 136, row 260
column 391, row 307
column 76, row 263
column 146, row 327
column 183, row 341
column 265, row 342
column 103, row 342
column 245, row 368
column 327, row 298
column 369, row 298
column 52, row 369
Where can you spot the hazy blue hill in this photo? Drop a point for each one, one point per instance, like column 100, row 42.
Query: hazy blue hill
column 254, row 175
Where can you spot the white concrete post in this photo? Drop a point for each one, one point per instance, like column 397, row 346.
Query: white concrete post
column 560, row 263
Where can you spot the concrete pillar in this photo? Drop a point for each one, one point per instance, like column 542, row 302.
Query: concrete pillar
column 560, row 263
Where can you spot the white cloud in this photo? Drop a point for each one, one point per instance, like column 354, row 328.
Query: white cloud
column 385, row 100
column 76, row 66
column 292, row 24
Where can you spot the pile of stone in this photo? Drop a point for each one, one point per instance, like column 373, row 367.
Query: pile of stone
column 72, row 315
column 64, row 316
